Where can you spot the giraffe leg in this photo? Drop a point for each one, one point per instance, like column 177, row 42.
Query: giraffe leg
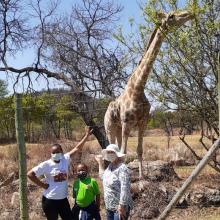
column 111, row 137
column 140, row 149
column 119, row 137
column 125, row 133
column 110, row 133
column 110, row 125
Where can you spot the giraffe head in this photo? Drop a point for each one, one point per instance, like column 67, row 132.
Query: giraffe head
column 174, row 19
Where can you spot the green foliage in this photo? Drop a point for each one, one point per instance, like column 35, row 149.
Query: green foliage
column 45, row 115
column 119, row 36
column 7, row 124
column 158, row 118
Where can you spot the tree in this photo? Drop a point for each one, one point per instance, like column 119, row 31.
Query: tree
column 73, row 48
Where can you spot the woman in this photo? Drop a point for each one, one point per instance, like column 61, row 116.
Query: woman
column 55, row 171
column 116, row 183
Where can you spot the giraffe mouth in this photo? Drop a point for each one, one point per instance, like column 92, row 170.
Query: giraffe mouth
column 178, row 19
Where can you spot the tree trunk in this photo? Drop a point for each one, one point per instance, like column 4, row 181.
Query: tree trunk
column 55, row 132
column 98, row 133
column 68, row 130
column 86, row 110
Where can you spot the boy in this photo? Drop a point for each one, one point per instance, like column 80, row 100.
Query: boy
column 87, row 196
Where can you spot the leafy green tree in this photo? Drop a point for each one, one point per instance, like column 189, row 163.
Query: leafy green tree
column 7, row 120
column 49, row 116
column 69, row 119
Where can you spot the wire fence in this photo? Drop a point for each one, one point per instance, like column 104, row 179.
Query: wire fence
column 149, row 202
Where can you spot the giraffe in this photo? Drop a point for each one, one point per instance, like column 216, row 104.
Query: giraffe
column 131, row 109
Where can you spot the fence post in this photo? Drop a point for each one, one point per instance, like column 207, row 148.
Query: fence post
column 218, row 70
column 217, row 50
column 22, row 158
column 190, row 179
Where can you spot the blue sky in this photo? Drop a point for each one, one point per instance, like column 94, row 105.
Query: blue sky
column 130, row 10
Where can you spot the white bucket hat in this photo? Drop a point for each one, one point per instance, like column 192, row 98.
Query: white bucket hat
column 114, row 148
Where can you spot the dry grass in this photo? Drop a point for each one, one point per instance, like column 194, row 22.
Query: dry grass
column 155, row 148
column 195, row 213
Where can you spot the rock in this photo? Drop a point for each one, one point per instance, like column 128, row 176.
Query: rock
column 15, row 199
column 180, row 155
column 197, row 197
column 204, row 197
column 139, row 186
column 153, row 170
column 182, row 203
column 213, row 197
column 181, row 162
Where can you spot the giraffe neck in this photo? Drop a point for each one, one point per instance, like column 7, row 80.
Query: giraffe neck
column 140, row 75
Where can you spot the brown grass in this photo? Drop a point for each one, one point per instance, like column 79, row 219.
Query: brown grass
column 155, row 148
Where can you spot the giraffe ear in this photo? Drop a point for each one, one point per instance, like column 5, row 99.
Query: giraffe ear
column 160, row 15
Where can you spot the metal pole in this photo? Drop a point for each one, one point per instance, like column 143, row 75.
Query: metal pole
column 22, row 159
column 190, row 179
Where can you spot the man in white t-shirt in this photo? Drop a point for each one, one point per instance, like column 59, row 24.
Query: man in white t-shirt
column 55, row 172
